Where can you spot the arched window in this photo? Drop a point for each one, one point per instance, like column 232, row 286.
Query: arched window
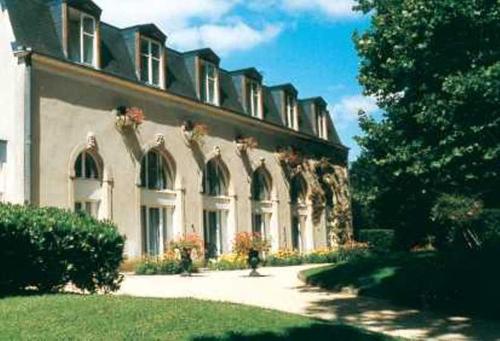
column 261, row 185
column 155, row 173
column 87, row 191
column 86, row 166
column 298, row 190
column 215, row 179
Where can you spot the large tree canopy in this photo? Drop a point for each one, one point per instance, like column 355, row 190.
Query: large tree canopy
column 434, row 68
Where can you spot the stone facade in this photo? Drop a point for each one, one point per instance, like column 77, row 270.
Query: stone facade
column 63, row 149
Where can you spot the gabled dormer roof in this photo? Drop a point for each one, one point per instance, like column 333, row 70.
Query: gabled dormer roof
column 320, row 101
column 206, row 54
column 251, row 73
column 87, row 6
column 288, row 87
column 149, row 30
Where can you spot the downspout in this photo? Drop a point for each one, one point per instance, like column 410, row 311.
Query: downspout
column 24, row 55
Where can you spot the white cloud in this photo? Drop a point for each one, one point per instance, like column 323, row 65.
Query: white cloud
column 191, row 24
column 168, row 14
column 345, row 112
column 224, row 38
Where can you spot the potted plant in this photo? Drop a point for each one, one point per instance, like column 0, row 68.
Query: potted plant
column 251, row 246
column 128, row 118
column 194, row 132
column 185, row 245
column 290, row 157
column 243, row 144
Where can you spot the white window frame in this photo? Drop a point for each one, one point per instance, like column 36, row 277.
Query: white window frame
column 152, row 58
column 91, row 207
column 291, row 111
column 207, row 79
column 166, row 217
column 321, row 123
column 254, row 100
column 84, row 34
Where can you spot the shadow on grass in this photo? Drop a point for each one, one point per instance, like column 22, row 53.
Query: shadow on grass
column 429, row 281
column 316, row 332
column 385, row 317
column 403, row 286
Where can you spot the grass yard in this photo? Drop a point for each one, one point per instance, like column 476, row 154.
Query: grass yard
column 467, row 285
column 57, row 317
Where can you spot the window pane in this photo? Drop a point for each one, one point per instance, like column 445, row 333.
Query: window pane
column 90, row 167
column 144, row 47
column 155, row 50
column 144, row 222
column 143, row 172
column 88, row 50
column 74, row 40
column 88, row 208
column 78, row 206
column 3, row 152
column 257, row 223
column 152, row 171
column 154, row 231
column 156, row 72
column 79, row 166
column 211, row 91
column 203, row 85
column 144, row 68
column 88, row 25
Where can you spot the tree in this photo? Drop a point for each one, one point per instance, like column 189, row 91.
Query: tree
column 434, row 68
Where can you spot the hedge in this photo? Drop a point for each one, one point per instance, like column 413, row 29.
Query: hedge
column 47, row 248
column 378, row 239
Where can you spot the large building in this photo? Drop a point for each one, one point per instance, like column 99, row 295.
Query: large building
column 217, row 153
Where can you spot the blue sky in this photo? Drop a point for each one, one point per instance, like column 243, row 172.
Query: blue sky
column 306, row 42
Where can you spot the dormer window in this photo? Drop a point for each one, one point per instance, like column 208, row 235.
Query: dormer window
column 254, row 99
column 82, row 45
column 209, row 84
column 151, row 61
column 321, row 123
column 291, row 112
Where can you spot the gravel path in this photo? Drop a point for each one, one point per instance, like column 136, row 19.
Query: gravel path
column 280, row 289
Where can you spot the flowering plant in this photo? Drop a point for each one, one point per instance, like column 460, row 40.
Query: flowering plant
column 129, row 117
column 188, row 242
column 194, row 132
column 290, row 157
column 246, row 143
column 245, row 242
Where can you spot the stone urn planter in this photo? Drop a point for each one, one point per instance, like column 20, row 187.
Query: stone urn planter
column 186, row 262
column 253, row 262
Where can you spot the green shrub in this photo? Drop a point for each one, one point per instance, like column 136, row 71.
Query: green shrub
column 284, row 258
column 378, row 239
column 321, row 257
column 161, row 266
column 47, row 248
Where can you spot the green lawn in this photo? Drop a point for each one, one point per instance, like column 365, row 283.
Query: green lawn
column 467, row 285
column 57, row 317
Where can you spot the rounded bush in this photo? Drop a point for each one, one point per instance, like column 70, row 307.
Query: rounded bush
column 47, row 248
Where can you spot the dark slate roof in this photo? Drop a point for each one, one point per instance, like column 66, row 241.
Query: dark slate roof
column 87, row 6
column 150, row 31
column 37, row 25
column 207, row 54
column 251, row 73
